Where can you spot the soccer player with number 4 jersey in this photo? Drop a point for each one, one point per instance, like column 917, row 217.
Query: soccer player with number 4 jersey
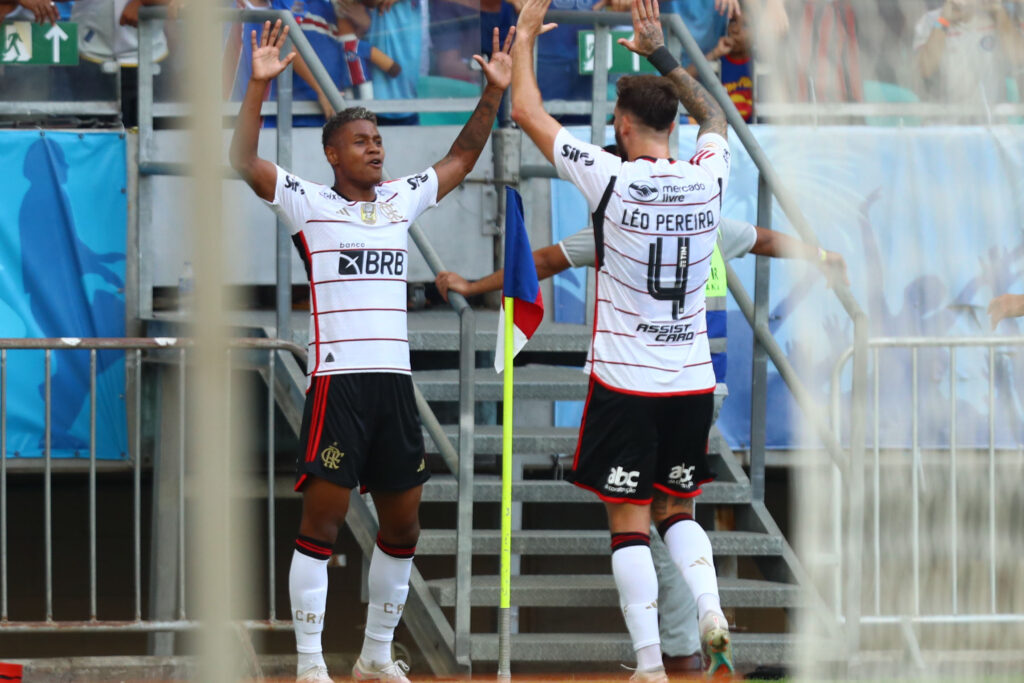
column 643, row 438
column 360, row 426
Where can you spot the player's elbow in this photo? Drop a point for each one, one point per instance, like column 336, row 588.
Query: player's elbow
column 523, row 111
column 518, row 114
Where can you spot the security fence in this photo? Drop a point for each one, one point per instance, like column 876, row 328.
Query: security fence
column 942, row 500
column 273, row 359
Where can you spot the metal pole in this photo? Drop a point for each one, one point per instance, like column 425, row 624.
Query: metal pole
column 182, row 440
column 3, row 485
column 759, row 376
column 878, row 492
column 271, row 440
column 992, row 479
column 952, row 472
column 132, row 283
column 47, row 489
column 137, row 484
column 915, row 485
column 144, row 186
column 855, row 506
column 464, row 536
column 283, row 293
column 598, row 115
column 221, row 575
column 92, row 485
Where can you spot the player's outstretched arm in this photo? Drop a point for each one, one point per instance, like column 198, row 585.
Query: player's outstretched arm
column 649, row 41
column 779, row 245
column 266, row 65
column 464, row 152
column 1005, row 306
column 527, row 105
column 549, row 261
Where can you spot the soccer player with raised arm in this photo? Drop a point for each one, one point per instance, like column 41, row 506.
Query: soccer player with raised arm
column 360, row 426
column 643, row 438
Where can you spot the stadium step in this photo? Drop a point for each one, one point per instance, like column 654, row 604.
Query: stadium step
column 545, row 382
column 525, row 439
column 575, row 542
column 487, row 489
column 748, row 648
column 598, row 590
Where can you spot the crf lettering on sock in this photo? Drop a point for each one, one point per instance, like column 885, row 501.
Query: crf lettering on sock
column 388, row 586
column 307, row 587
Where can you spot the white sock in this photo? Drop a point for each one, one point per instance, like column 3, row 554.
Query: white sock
column 308, row 661
column 307, row 586
column 690, row 548
column 708, row 602
column 388, row 587
column 637, row 582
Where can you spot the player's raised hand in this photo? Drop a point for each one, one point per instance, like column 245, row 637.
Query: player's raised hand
column 498, row 71
column 647, row 33
column 1005, row 306
column 43, row 10
column 531, row 19
column 448, row 281
column 266, row 54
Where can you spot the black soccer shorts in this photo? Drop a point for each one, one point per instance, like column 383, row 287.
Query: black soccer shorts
column 630, row 445
column 362, row 429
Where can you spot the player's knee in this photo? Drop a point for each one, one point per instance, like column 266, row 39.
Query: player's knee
column 665, row 506
column 321, row 526
column 402, row 533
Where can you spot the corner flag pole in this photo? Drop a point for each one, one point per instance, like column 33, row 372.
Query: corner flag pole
column 505, row 604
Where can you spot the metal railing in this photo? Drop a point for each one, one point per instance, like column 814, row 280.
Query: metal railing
column 170, row 466
column 947, row 407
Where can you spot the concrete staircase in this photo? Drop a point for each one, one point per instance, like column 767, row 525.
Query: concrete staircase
column 567, row 603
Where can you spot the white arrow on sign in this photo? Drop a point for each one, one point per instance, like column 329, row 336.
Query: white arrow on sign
column 56, row 35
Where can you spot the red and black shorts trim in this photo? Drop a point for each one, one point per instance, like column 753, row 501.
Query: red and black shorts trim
column 311, row 547
column 630, row 445
column 362, row 429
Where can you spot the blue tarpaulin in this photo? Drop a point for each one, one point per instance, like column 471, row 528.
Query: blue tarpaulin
column 63, row 213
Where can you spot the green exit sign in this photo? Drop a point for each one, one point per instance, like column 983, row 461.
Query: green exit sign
column 27, row 43
column 620, row 60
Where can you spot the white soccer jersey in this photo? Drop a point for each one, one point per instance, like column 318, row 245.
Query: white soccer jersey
column 357, row 261
column 655, row 224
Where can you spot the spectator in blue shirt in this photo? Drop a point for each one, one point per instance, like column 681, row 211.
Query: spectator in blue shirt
column 396, row 29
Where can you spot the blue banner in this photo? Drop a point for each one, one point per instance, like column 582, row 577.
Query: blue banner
column 63, row 210
column 930, row 222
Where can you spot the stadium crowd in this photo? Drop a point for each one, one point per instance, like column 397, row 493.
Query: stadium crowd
column 954, row 51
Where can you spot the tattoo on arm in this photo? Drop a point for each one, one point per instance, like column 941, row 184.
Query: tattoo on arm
column 699, row 103
column 474, row 135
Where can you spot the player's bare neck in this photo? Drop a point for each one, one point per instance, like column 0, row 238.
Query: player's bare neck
column 354, row 191
column 646, row 143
